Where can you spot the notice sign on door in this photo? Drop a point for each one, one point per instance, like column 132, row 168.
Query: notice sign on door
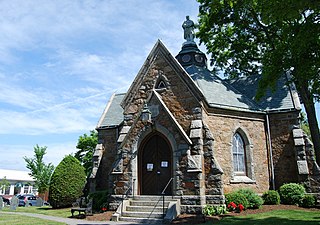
column 164, row 163
column 149, row 166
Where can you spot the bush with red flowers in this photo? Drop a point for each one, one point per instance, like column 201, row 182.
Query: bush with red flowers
column 234, row 207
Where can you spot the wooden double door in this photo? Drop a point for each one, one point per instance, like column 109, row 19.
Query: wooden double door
column 155, row 166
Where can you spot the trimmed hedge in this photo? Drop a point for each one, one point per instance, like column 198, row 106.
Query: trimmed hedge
column 271, row 197
column 237, row 198
column 292, row 193
column 255, row 201
column 308, row 201
column 67, row 183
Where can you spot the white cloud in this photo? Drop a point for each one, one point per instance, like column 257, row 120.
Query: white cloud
column 61, row 60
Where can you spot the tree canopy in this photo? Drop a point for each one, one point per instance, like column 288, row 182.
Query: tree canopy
column 40, row 171
column 86, row 145
column 271, row 38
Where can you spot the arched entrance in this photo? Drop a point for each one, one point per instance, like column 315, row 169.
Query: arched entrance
column 155, row 165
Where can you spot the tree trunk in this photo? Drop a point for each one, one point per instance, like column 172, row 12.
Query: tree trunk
column 308, row 103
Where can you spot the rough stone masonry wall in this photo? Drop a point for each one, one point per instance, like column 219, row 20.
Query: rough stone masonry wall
column 283, row 151
column 223, row 127
column 107, row 137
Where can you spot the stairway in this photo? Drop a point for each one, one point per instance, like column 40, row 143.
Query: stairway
column 146, row 209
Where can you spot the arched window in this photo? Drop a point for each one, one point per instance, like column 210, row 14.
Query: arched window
column 239, row 155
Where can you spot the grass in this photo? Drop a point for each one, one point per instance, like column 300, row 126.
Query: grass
column 277, row 217
column 45, row 210
column 11, row 219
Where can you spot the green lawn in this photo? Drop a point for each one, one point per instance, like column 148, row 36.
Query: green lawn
column 46, row 210
column 276, row 217
column 10, row 219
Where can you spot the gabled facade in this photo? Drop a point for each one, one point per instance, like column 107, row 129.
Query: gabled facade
column 183, row 130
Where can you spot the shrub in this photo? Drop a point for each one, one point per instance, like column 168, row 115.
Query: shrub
column 308, row 201
column 255, row 201
column 214, row 210
column 237, row 198
column 67, row 182
column 271, row 197
column 100, row 200
column 291, row 193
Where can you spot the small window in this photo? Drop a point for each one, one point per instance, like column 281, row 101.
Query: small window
column 243, row 170
column 239, row 157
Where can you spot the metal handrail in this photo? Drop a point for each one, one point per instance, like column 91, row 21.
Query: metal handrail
column 165, row 188
column 163, row 193
column 125, row 195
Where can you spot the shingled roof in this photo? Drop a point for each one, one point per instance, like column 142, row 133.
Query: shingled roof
column 113, row 113
column 239, row 93
column 282, row 99
column 218, row 92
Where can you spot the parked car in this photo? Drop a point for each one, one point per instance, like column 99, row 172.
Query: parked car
column 30, row 199
column 5, row 200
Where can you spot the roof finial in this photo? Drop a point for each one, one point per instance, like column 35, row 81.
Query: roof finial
column 188, row 27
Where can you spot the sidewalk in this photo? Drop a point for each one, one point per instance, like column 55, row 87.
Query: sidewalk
column 67, row 220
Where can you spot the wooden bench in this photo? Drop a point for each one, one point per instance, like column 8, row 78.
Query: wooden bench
column 78, row 207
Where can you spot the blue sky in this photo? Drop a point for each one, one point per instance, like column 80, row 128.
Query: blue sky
column 60, row 61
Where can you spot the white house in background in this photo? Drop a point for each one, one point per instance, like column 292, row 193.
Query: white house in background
column 20, row 182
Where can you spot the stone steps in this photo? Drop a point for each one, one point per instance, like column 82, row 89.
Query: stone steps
column 133, row 208
column 145, row 209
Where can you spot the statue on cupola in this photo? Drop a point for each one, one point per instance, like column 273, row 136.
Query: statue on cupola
column 188, row 27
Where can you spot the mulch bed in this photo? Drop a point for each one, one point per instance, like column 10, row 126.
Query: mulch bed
column 197, row 219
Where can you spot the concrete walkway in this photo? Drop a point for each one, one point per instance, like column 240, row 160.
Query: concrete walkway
column 66, row 220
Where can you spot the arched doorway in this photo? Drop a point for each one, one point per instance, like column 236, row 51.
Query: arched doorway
column 155, row 165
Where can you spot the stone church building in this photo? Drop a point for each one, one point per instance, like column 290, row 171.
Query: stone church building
column 182, row 130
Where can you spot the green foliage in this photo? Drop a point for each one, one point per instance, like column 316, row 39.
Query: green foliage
column 237, row 198
column 40, row 171
column 4, row 183
column 305, row 125
column 247, row 37
column 86, row 145
column 99, row 199
column 214, row 210
column 271, row 197
column 292, row 193
column 255, row 201
column 67, row 183
column 308, row 201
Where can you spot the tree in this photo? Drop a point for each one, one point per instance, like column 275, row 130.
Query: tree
column 272, row 38
column 305, row 125
column 39, row 170
column 4, row 183
column 86, row 145
column 67, row 182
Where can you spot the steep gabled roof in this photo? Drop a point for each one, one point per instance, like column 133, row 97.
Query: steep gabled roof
column 113, row 113
column 160, row 49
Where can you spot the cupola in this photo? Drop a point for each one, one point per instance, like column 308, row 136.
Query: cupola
column 190, row 53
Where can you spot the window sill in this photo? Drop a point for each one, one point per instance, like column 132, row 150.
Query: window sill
column 242, row 179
